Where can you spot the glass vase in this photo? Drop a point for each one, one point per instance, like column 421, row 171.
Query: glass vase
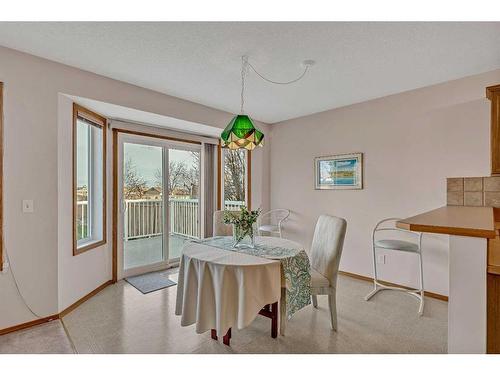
column 244, row 236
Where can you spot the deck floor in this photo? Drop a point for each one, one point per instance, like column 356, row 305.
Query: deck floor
column 144, row 251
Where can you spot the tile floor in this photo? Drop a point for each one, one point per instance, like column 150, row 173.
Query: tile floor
column 122, row 320
column 48, row 338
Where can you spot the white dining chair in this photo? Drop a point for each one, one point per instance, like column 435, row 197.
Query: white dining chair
column 326, row 250
column 393, row 244
column 271, row 221
column 221, row 229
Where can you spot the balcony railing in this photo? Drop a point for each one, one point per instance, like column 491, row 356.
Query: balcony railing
column 143, row 217
column 82, row 217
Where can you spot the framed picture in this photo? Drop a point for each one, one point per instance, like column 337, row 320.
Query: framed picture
column 339, row 171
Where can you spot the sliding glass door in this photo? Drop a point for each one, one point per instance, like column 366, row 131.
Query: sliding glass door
column 183, row 198
column 159, row 192
column 142, row 191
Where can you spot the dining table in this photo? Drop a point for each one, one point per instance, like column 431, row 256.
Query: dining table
column 222, row 286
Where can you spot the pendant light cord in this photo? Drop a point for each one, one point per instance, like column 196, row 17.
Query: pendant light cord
column 276, row 82
column 245, row 64
column 244, row 70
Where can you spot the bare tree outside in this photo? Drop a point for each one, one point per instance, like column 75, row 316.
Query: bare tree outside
column 135, row 185
column 234, row 175
column 193, row 176
column 177, row 172
column 196, row 161
column 182, row 179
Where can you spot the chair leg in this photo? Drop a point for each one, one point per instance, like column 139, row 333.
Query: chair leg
column 274, row 320
column 375, row 288
column 421, row 307
column 226, row 339
column 332, row 303
column 314, row 301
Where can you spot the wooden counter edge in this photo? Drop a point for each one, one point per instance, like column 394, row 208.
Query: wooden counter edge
column 454, row 231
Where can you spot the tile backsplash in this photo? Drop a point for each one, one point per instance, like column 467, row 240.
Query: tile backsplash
column 473, row 191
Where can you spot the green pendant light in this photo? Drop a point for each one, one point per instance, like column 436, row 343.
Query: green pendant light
column 240, row 132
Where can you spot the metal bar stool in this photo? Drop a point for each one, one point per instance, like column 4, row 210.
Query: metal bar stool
column 396, row 245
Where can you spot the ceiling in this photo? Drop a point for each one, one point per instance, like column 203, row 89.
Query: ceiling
column 200, row 61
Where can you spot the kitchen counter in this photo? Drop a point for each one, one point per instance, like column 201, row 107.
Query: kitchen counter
column 454, row 220
column 471, row 230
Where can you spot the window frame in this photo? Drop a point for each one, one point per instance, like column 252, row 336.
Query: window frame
column 220, row 179
column 99, row 122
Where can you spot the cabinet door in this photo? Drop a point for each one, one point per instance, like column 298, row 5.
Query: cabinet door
column 493, row 314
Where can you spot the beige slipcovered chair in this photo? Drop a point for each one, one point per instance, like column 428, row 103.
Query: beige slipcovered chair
column 221, row 229
column 326, row 250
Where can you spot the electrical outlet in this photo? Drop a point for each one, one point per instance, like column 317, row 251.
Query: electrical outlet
column 381, row 259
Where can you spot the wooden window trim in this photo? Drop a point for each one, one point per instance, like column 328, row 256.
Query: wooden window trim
column 490, row 90
column 114, row 266
column 1, row 176
column 220, row 178
column 493, row 94
column 100, row 122
column 158, row 136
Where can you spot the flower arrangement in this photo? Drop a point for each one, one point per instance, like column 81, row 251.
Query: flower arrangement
column 243, row 224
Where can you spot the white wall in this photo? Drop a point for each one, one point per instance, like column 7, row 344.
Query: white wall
column 37, row 157
column 411, row 143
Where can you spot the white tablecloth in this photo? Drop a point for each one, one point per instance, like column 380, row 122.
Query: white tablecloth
column 222, row 289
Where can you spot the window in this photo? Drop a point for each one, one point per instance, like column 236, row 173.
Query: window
column 89, row 180
column 235, row 179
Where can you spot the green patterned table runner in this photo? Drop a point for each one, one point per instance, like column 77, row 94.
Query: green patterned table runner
column 294, row 265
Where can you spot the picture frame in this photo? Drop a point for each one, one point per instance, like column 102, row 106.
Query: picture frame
column 339, row 172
